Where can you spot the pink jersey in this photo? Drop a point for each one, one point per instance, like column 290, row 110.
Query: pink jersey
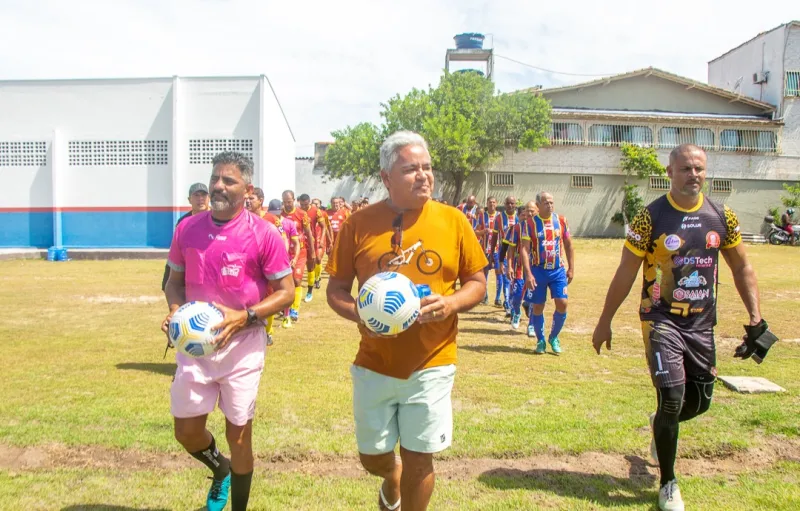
column 230, row 264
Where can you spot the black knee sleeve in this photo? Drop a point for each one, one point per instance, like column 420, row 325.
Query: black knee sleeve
column 697, row 400
column 665, row 429
column 670, row 403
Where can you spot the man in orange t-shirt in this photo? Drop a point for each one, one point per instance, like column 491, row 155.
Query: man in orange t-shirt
column 402, row 385
column 323, row 237
column 303, row 224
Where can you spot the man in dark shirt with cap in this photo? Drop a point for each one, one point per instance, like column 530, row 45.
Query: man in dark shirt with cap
column 198, row 198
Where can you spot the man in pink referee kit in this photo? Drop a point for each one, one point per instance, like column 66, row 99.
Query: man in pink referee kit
column 228, row 257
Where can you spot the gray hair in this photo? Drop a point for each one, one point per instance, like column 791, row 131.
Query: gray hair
column 397, row 141
column 539, row 196
column 243, row 162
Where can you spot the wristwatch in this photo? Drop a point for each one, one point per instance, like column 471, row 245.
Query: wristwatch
column 251, row 316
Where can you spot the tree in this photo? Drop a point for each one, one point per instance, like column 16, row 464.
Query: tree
column 793, row 200
column 467, row 127
column 641, row 162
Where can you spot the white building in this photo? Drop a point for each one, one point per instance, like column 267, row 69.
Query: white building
column 108, row 163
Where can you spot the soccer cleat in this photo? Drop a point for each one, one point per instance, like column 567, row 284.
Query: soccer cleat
column 309, row 297
column 541, row 346
column 287, row 323
column 506, row 307
column 317, row 283
column 498, row 303
column 653, row 451
column 531, row 331
column 218, row 494
column 669, row 497
column 515, row 317
column 269, row 339
column 294, row 315
column 555, row 345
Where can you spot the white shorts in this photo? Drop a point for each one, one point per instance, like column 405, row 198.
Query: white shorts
column 230, row 377
column 417, row 411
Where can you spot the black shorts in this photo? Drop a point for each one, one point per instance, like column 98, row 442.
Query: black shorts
column 675, row 355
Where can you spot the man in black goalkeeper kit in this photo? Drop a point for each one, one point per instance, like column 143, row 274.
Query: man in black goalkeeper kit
column 679, row 236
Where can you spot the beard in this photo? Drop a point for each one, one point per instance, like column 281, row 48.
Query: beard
column 221, row 203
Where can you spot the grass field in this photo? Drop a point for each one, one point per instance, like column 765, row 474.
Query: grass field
column 85, row 424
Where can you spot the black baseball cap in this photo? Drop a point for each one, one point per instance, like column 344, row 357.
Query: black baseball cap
column 275, row 206
column 198, row 187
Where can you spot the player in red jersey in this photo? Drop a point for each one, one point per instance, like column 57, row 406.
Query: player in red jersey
column 312, row 263
column 339, row 215
column 323, row 237
column 306, row 240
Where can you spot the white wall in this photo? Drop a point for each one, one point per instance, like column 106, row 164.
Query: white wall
column 277, row 167
column 314, row 183
column 764, row 53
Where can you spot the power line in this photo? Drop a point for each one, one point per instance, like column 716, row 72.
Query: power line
column 550, row 70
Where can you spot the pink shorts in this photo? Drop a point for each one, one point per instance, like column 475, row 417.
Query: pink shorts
column 230, row 377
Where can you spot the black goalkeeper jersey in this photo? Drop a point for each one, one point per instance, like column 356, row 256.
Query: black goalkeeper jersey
column 681, row 257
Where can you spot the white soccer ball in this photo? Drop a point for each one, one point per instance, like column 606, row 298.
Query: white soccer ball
column 190, row 328
column 388, row 303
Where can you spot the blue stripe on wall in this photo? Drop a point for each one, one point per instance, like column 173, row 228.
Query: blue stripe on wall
column 103, row 229
column 26, row 229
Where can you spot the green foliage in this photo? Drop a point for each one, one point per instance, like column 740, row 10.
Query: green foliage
column 793, row 200
column 631, row 204
column 467, row 127
column 640, row 163
column 355, row 152
column 775, row 213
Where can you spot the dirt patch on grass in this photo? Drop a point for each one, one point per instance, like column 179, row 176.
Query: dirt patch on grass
column 57, row 456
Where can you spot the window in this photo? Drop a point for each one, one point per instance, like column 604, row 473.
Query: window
column 748, row 141
column 721, row 186
column 111, row 153
column 582, row 182
column 792, row 83
column 673, row 137
column 659, row 183
column 23, row 154
column 202, row 151
column 564, row 133
column 614, row 134
column 502, row 179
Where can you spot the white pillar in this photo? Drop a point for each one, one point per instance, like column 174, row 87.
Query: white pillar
column 59, row 155
column 260, row 171
column 179, row 149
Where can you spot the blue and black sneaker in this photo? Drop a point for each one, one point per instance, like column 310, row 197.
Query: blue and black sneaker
column 218, row 494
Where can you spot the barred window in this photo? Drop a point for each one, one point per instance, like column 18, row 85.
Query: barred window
column 748, row 141
column 617, row 134
column 792, row 83
column 23, row 154
column 202, row 151
column 721, row 186
column 659, row 183
column 670, row 137
column 565, row 133
column 503, row 180
column 582, row 181
column 85, row 153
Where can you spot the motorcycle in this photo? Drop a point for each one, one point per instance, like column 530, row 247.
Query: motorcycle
column 777, row 236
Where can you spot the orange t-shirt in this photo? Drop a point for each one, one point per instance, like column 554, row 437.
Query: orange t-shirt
column 323, row 224
column 301, row 221
column 366, row 236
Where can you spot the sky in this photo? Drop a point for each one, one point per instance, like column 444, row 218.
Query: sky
column 332, row 63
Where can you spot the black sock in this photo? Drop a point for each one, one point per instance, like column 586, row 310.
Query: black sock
column 240, row 490
column 310, row 288
column 665, row 430
column 213, row 459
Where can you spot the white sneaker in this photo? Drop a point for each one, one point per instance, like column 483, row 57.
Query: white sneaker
column 653, row 451
column 669, row 497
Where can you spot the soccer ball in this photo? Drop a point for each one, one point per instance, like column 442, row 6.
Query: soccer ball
column 388, row 303
column 190, row 328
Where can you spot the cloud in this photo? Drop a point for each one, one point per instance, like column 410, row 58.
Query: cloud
column 332, row 63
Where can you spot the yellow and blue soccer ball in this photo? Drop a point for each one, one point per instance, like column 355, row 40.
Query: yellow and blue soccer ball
column 190, row 328
column 388, row 303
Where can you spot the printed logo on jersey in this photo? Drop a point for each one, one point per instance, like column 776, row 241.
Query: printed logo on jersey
column 691, row 226
column 699, row 262
column 660, row 369
column 632, row 234
column 657, row 286
column 231, row 270
column 693, row 280
column 672, row 242
column 690, row 294
column 712, row 239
